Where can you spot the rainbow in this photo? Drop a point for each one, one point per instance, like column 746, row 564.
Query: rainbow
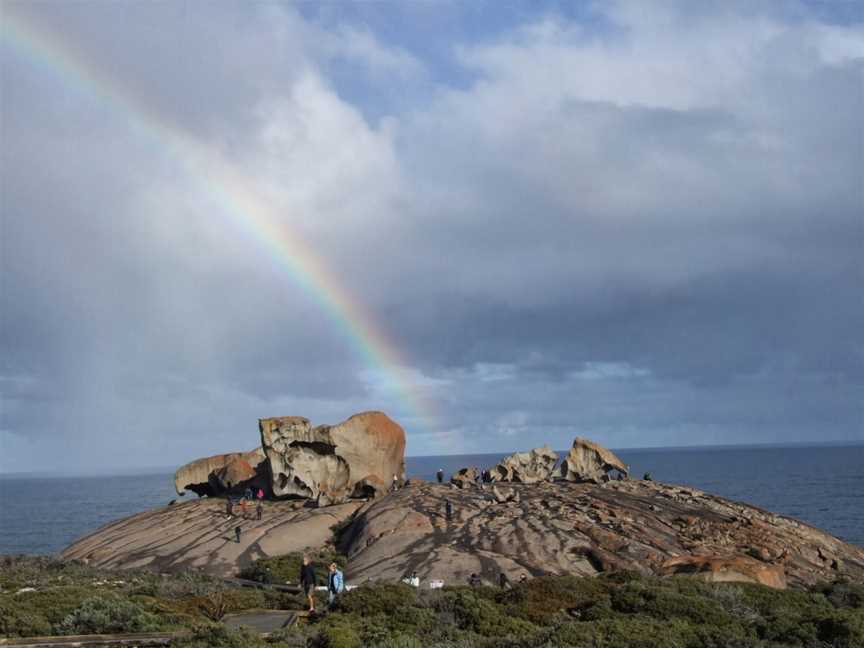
column 225, row 186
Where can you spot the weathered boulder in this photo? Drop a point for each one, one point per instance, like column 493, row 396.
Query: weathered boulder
column 502, row 496
column 330, row 463
column 526, row 467
column 588, row 462
column 465, row 477
column 723, row 569
column 202, row 476
column 236, row 473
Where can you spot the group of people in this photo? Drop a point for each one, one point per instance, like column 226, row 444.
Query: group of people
column 308, row 581
column 243, row 504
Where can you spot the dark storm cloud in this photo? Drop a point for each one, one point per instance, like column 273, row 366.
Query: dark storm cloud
column 645, row 228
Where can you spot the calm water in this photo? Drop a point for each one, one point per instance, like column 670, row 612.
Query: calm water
column 820, row 485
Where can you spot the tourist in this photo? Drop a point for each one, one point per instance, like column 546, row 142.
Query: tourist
column 260, row 494
column 440, row 475
column 475, row 580
column 335, row 582
column 229, row 507
column 307, row 581
column 503, row 581
column 248, row 493
column 259, row 510
column 647, row 477
column 448, row 509
column 395, row 483
column 413, row 580
column 523, row 579
column 237, row 531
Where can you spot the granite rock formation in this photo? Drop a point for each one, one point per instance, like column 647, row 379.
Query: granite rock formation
column 586, row 528
column 197, row 535
column 465, row 477
column 738, row 569
column 526, row 467
column 589, row 462
column 330, row 463
column 220, row 473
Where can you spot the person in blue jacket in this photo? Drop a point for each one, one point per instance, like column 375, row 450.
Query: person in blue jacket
column 335, row 582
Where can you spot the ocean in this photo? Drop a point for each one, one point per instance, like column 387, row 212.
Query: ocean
column 821, row 485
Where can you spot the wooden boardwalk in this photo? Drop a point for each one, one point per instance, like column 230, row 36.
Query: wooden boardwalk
column 263, row 621
column 85, row 641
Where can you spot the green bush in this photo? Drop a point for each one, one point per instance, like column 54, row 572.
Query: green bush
column 286, row 569
column 483, row 617
column 219, row 636
column 107, row 615
column 369, row 600
column 539, row 599
column 18, row 622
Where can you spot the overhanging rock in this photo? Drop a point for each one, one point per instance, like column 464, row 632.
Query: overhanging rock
column 588, row 462
column 219, row 473
column 357, row 457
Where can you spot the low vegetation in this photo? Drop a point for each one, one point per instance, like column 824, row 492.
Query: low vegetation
column 286, row 569
column 621, row 610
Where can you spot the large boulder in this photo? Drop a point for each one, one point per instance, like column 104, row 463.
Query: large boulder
column 465, row 477
column 588, row 462
column 526, row 467
column 212, row 475
column 330, row 463
column 727, row 569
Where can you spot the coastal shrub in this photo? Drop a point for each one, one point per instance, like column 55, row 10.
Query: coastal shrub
column 340, row 634
column 53, row 604
column 214, row 635
column 383, row 598
column 177, row 586
column 17, row 622
column 216, row 604
column 539, row 599
column 483, row 617
column 842, row 594
column 400, row 641
column 286, row 568
column 107, row 615
column 663, row 601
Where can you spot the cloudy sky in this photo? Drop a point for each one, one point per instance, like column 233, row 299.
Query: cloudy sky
column 639, row 222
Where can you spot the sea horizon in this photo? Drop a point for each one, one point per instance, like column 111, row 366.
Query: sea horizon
column 161, row 470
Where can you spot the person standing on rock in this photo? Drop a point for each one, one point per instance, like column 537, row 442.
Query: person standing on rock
column 237, row 532
column 395, row 483
column 503, row 581
column 229, row 507
column 259, row 510
column 448, row 510
column 335, row 582
column 440, row 475
column 247, row 493
column 307, row 581
column 260, row 494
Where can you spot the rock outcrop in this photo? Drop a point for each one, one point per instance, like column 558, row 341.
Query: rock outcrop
column 198, row 536
column 586, row 528
column 330, row 463
column 465, row 477
column 589, row 462
column 220, row 473
column 526, row 467
column 737, row 569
